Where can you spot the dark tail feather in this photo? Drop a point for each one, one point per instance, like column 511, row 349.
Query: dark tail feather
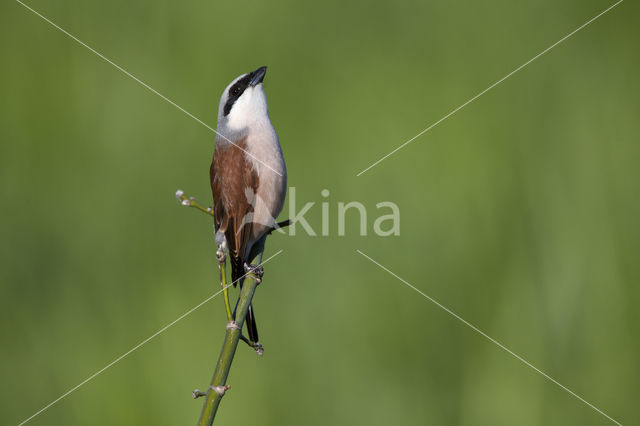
column 237, row 272
column 252, row 329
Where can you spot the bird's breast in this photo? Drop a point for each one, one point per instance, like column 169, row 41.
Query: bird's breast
column 266, row 157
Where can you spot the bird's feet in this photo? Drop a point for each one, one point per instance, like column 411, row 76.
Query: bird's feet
column 221, row 255
column 254, row 271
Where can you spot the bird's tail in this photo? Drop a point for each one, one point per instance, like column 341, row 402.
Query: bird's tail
column 237, row 276
column 252, row 328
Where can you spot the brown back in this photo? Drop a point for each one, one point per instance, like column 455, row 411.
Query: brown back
column 234, row 183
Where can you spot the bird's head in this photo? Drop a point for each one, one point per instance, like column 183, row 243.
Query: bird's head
column 243, row 104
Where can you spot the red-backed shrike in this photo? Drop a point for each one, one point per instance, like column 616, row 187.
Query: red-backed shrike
column 248, row 179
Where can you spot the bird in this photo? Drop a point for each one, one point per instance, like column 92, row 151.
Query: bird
column 248, row 179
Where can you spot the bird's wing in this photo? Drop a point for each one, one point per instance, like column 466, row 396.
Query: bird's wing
column 234, row 184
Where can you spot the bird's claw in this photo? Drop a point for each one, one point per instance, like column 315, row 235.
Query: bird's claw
column 255, row 271
column 221, row 255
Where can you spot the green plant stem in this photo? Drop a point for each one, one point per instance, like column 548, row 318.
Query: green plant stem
column 225, row 290
column 191, row 202
column 231, row 339
column 234, row 333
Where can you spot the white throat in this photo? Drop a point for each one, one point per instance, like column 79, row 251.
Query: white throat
column 248, row 112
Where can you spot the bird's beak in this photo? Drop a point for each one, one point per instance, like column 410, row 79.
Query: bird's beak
column 257, row 76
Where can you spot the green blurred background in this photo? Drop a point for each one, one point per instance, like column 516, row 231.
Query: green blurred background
column 519, row 213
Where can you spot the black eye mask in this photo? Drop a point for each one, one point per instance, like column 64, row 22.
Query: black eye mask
column 235, row 92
